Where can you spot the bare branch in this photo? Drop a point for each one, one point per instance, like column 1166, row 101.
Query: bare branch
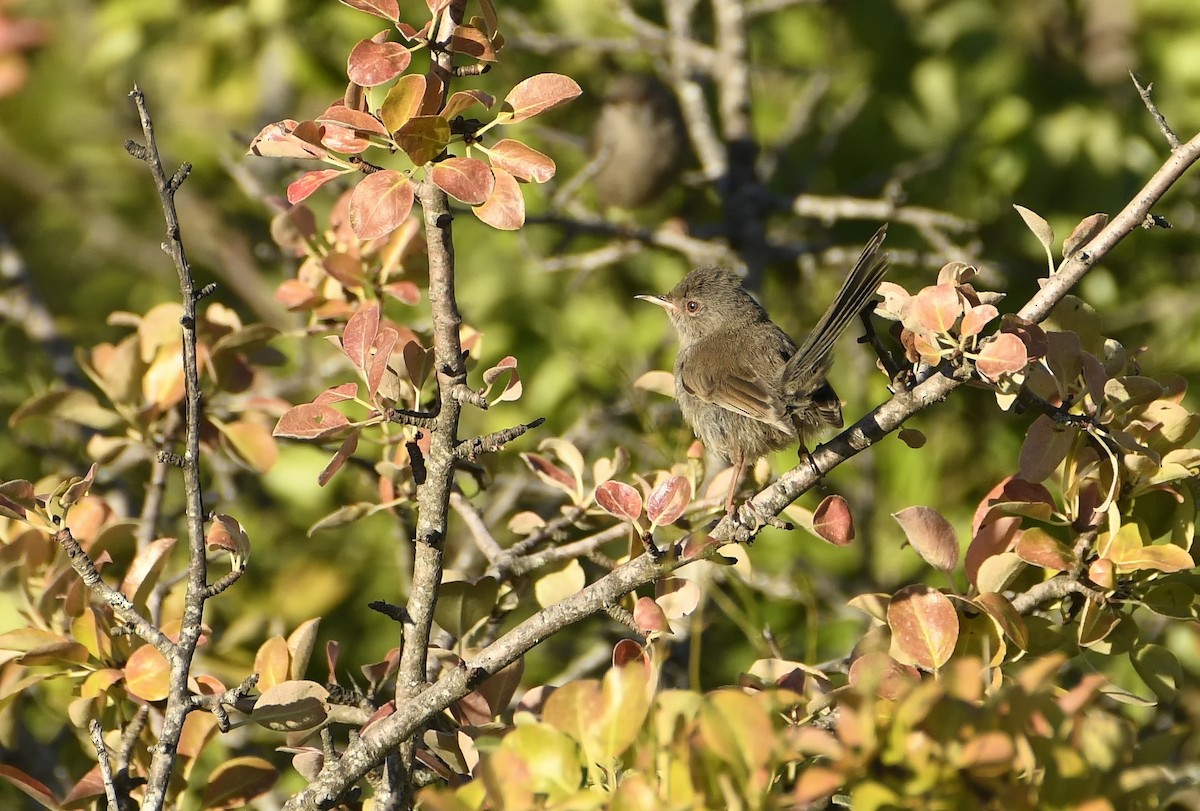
column 1159, row 118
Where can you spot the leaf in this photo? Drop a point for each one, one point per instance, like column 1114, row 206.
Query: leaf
column 337, row 394
column 388, row 9
column 505, row 208
column 512, row 386
column 649, row 617
column 619, row 499
column 380, row 203
column 423, row 138
column 1041, row 229
column 935, row 309
column 142, row 574
column 1046, row 445
column 358, row 123
column 558, row 584
column 249, row 443
column 832, row 521
column 976, row 318
column 1038, row 547
column 1083, row 233
column 931, row 535
column 465, row 179
column 464, row 604
column 303, row 186
column 342, row 516
column 345, row 269
column 521, row 161
column 272, row 663
column 465, row 99
column 30, row 787
column 924, row 625
column 385, row 343
column 236, row 782
column 347, row 449
column 668, row 500
column 470, row 41
column 657, row 381
column 1159, row 668
column 536, row 95
column 358, row 337
column 403, row 101
column 310, row 421
column 1003, row 354
column 280, row 140
column 147, row 674
column 372, row 63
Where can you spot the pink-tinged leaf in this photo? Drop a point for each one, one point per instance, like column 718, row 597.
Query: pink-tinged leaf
column 1087, row 229
column 1004, row 354
column 668, row 500
column 228, row 534
column 303, row 186
column 627, row 652
column 403, row 101
column 436, row 6
column 423, row 138
column 387, row 9
column 464, row 99
column 293, row 228
column 30, row 787
column 470, row 41
column 296, row 295
column 337, row 394
column 358, row 338
column 341, row 139
column 931, row 535
column 998, row 607
column 310, row 421
column 889, row 678
column 977, row 318
column 512, row 386
column 411, row 33
column 142, row 574
column 380, row 203
column 90, row 785
column 619, row 499
column 505, row 209
column 936, row 309
column 406, row 292
column 990, row 539
column 286, row 139
column 537, row 94
column 147, row 674
column 549, row 472
column 833, row 522
column 1046, row 445
column 335, row 464
column 373, row 63
column 385, row 342
column 361, row 123
column 521, row 161
column 346, row 269
column 1038, row 547
column 465, row 179
column 649, row 616
column 924, row 626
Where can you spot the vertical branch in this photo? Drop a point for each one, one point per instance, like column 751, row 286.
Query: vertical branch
column 433, row 495
column 178, row 699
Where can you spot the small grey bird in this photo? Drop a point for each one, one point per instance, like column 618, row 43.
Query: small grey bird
column 638, row 141
column 741, row 383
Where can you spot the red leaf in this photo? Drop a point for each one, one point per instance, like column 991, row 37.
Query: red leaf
column 296, row 295
column 335, row 464
column 380, row 203
column 373, row 63
column 924, row 625
column 300, row 188
column 832, row 521
column 619, row 499
column 977, row 318
column 346, row 269
column 936, row 308
column 359, row 336
column 407, row 292
column 29, row 786
column 668, row 501
column 337, row 394
column 537, row 94
column 649, row 616
column 388, row 9
column 464, row 179
column 310, row 421
column 505, row 209
column 523, row 162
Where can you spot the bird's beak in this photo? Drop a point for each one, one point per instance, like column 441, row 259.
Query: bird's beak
column 661, row 301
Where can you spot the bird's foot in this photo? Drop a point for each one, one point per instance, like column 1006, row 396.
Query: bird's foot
column 748, row 520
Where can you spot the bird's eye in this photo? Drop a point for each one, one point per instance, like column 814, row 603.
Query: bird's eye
column 693, row 306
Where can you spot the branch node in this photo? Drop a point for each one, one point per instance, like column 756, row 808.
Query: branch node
column 205, row 292
column 465, row 394
column 181, row 174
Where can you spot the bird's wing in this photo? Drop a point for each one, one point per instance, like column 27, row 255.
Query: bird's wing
column 741, row 389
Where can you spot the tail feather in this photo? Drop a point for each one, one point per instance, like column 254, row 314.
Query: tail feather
column 806, row 369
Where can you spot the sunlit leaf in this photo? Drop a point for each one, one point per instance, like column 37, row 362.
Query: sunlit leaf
column 924, row 624
column 465, row 179
column 505, row 209
column 310, row 421
column 931, row 535
column 380, row 203
column 521, row 161
column 536, row 95
column 372, row 63
column 619, row 499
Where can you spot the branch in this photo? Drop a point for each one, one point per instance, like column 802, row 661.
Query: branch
column 180, row 658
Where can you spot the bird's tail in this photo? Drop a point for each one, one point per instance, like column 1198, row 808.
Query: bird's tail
column 806, row 370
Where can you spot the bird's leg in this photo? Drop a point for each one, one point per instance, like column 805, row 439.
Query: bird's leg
column 739, row 466
column 803, row 452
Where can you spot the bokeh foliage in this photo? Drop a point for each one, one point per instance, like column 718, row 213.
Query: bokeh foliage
column 971, row 105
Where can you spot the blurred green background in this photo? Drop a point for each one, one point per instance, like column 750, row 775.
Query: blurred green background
column 968, row 106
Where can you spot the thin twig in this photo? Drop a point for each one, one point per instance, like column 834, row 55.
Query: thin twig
column 1159, row 118
column 106, row 772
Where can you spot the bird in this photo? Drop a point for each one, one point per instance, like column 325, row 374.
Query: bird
column 741, row 382
column 639, row 142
